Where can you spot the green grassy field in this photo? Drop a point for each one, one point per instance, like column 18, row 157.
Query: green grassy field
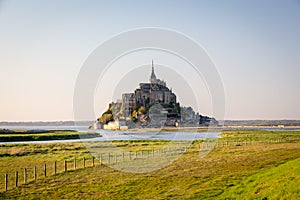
column 243, row 165
column 21, row 135
column 280, row 182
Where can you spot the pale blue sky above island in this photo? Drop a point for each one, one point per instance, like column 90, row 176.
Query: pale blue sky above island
column 255, row 46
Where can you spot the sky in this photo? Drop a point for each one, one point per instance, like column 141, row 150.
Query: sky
column 255, row 46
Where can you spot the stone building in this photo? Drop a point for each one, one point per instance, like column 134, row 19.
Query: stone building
column 155, row 91
column 128, row 102
column 189, row 117
column 152, row 104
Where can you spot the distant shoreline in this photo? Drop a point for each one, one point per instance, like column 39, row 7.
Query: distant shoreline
column 212, row 129
column 36, row 129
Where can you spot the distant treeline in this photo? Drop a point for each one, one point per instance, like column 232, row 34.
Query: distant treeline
column 261, row 122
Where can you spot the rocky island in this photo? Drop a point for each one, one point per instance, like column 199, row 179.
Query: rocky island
column 151, row 105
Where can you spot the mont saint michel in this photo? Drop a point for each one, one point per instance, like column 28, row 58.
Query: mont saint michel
column 151, row 105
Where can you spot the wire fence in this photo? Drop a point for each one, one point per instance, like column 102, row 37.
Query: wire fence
column 39, row 171
column 29, row 174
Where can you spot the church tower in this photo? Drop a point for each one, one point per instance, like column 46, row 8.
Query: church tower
column 152, row 77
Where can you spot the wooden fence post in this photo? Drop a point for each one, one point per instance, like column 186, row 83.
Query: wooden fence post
column 6, row 182
column 17, row 179
column 65, row 165
column 45, row 169
column 100, row 159
column 108, row 158
column 25, row 175
column 93, row 161
column 54, row 167
column 123, row 156
column 74, row 163
column 34, row 172
column 83, row 162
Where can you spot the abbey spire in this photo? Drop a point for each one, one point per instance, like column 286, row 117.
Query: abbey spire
column 152, row 77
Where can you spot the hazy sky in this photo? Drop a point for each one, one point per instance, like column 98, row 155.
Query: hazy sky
column 255, row 46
